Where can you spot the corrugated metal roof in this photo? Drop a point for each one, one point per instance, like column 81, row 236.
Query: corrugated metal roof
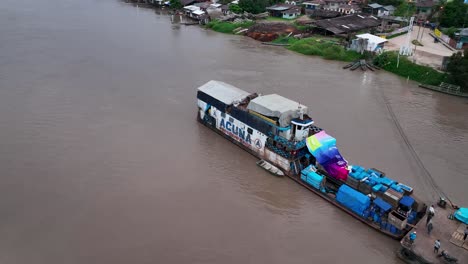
column 277, row 8
column 274, row 105
column 223, row 92
column 198, row 12
column 293, row 10
column 192, row 8
column 375, row 5
column 349, row 23
column 275, row 102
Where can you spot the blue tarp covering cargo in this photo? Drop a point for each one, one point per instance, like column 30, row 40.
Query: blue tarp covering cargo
column 406, row 187
column 386, row 181
column 352, row 199
column 377, row 187
column 407, row 201
column 311, row 177
column 397, row 188
column 384, row 206
column 374, row 173
column 462, row 215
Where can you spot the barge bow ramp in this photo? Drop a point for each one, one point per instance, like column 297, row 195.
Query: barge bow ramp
column 449, row 232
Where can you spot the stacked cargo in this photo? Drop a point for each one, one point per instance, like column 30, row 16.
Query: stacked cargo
column 397, row 220
column 379, row 209
column 362, row 179
column 392, row 197
column 352, row 199
column 406, row 208
column 374, row 181
column 310, row 176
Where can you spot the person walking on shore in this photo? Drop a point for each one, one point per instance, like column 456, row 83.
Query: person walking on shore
column 436, row 246
column 430, row 214
column 429, row 227
column 412, row 237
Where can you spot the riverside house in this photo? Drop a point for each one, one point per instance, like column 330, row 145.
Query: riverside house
column 288, row 11
column 313, row 5
column 348, row 9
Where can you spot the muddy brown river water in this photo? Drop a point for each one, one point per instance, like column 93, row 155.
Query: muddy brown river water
column 102, row 160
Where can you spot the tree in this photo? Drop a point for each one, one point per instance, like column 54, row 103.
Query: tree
column 454, row 14
column 405, row 9
column 176, row 4
column 225, row 2
column 389, row 2
column 254, row 6
column 235, row 9
column 458, row 69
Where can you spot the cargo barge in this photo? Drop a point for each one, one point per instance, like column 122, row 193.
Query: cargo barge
column 280, row 132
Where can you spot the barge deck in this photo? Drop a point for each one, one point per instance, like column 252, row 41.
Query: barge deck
column 449, row 232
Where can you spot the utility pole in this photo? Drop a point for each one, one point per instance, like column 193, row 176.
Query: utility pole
column 406, row 48
column 419, row 29
column 422, row 33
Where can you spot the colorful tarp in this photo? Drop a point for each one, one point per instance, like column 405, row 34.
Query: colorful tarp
column 323, row 147
column 462, row 215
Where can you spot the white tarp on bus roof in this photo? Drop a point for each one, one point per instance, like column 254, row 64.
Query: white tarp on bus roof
column 223, row 92
column 274, row 105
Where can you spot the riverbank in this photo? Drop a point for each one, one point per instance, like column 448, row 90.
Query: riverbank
column 331, row 49
column 403, row 67
column 228, row 27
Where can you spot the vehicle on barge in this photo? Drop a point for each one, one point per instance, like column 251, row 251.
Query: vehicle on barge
column 280, row 131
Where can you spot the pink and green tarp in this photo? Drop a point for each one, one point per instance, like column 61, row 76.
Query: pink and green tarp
column 323, row 147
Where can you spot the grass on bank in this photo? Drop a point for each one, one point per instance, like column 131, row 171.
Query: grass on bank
column 227, row 27
column 396, row 35
column 280, row 19
column 419, row 73
column 327, row 48
column 285, row 40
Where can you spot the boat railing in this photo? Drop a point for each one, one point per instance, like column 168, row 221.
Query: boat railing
column 278, row 151
column 293, row 145
column 449, row 88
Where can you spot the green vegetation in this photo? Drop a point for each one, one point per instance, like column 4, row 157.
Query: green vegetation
column 450, row 31
column 327, row 48
column 176, row 4
column 224, row 2
column 227, row 27
column 285, row 40
column 303, row 28
column 254, row 6
column 270, row 18
column 388, row 2
column 454, row 14
column 396, row 35
column 257, row 6
column 405, row 9
column 458, row 70
column 235, row 9
column 422, row 74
